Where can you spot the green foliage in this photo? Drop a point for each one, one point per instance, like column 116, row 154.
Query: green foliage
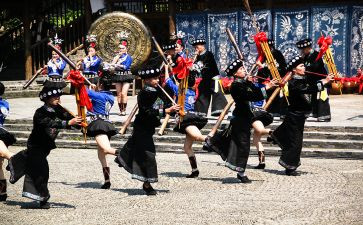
column 68, row 17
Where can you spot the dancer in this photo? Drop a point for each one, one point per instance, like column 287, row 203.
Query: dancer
column 92, row 62
column 192, row 122
column 6, row 139
column 289, row 135
column 55, row 68
column 243, row 91
column 260, row 120
column 33, row 163
column 319, row 100
column 209, row 87
column 123, row 76
column 138, row 154
column 101, row 127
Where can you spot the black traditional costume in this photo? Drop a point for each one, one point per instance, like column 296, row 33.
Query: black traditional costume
column 235, row 149
column 289, row 135
column 209, row 86
column 319, row 100
column 33, row 162
column 138, row 154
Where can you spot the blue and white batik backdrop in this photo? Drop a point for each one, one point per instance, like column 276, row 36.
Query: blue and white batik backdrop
column 332, row 22
column 193, row 26
column 289, row 28
column 356, row 39
column 218, row 41
column 247, row 31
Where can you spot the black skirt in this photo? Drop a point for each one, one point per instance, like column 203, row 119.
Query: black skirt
column 191, row 119
column 263, row 116
column 101, row 126
column 55, row 82
column 93, row 78
column 289, row 137
column 123, row 76
column 138, row 155
column 6, row 137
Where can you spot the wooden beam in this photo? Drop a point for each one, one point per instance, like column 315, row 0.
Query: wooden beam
column 172, row 29
column 88, row 13
column 27, row 41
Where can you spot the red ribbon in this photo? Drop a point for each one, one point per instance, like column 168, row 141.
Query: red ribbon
column 196, row 86
column 182, row 68
column 92, row 45
column 324, row 43
column 260, row 37
column 77, row 80
column 124, row 43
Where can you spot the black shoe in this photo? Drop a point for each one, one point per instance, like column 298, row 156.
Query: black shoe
column 207, row 146
column 44, row 205
column 3, row 197
column 149, row 190
column 106, row 185
column 260, row 166
column 118, row 162
column 194, row 174
column 291, row 172
column 244, row 179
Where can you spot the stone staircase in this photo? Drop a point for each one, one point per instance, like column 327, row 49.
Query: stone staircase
column 319, row 141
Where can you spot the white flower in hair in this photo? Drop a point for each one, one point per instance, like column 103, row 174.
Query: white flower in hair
column 180, row 34
column 56, row 40
column 123, row 34
column 91, row 38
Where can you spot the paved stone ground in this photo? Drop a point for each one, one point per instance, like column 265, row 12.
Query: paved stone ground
column 329, row 191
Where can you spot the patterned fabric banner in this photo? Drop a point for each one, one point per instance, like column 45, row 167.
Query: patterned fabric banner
column 193, row 26
column 218, row 41
column 356, row 48
column 247, row 31
column 289, row 28
column 332, row 22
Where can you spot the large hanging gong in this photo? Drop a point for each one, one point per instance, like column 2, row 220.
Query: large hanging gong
column 111, row 26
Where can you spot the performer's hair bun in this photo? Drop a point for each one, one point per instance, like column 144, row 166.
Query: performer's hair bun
column 233, row 67
column 304, row 43
column 294, row 62
column 149, row 72
column 49, row 92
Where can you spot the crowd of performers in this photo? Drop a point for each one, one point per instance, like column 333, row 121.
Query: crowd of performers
column 194, row 85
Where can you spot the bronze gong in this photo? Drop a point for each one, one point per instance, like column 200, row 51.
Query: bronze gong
column 108, row 28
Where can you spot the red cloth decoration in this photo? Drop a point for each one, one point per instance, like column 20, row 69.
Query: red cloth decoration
column 260, row 37
column 179, row 42
column 124, row 43
column 324, row 43
column 226, row 83
column 182, row 68
column 77, row 80
column 196, row 85
column 92, row 44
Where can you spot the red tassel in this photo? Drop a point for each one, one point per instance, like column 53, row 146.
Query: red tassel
column 78, row 82
column 324, row 43
column 182, row 68
column 260, row 37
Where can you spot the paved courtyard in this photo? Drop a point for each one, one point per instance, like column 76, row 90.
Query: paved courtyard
column 329, row 191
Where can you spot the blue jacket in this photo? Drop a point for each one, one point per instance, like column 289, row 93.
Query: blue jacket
column 91, row 67
column 102, row 102
column 4, row 110
column 56, row 69
column 125, row 61
column 189, row 98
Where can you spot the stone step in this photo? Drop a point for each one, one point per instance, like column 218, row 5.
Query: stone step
column 178, row 148
column 333, row 135
column 308, row 142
